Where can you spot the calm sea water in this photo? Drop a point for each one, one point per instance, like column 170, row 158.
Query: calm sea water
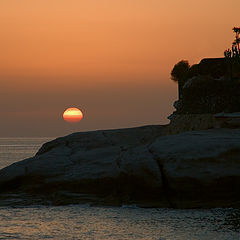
column 120, row 223
column 15, row 149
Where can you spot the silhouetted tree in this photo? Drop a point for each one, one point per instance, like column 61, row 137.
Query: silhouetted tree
column 235, row 52
column 233, row 56
column 237, row 40
column 179, row 74
column 179, row 71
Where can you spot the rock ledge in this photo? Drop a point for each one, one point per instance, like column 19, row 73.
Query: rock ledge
column 139, row 165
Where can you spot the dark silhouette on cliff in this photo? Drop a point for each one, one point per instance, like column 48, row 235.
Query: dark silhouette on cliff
column 207, row 88
column 212, row 86
column 235, row 51
column 180, row 70
column 179, row 74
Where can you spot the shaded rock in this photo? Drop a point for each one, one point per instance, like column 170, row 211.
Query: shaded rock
column 113, row 162
column 207, row 95
column 190, row 122
column 228, row 120
column 139, row 165
column 202, row 167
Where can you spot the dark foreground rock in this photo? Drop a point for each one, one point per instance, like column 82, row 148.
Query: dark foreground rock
column 130, row 166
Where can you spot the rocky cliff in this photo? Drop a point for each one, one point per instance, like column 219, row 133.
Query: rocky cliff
column 210, row 87
column 207, row 89
column 188, row 164
column 130, row 166
column 207, row 95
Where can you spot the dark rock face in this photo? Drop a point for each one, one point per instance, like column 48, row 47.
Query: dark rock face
column 130, row 166
column 212, row 86
column 103, row 166
column 214, row 67
column 203, row 95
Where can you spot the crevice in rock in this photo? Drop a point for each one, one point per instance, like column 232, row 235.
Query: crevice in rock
column 165, row 185
column 118, row 160
column 121, row 149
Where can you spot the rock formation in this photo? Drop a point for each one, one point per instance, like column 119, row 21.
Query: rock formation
column 130, row 166
column 209, row 88
column 147, row 166
column 206, row 95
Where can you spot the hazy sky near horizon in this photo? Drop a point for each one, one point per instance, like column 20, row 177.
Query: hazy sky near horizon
column 110, row 58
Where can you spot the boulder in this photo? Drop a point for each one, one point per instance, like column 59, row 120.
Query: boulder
column 130, row 166
column 202, row 168
column 115, row 165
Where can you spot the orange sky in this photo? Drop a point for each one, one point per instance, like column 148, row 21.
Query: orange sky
column 110, row 58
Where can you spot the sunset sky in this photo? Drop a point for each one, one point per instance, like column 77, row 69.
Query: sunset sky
column 110, row 58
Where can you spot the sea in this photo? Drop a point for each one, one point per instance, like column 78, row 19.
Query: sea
column 127, row 222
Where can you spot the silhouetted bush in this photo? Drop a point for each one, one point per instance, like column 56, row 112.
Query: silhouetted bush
column 179, row 71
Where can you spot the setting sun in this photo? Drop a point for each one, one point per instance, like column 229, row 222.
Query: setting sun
column 72, row 115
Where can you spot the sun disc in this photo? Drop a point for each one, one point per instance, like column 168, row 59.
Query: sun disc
column 72, row 115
